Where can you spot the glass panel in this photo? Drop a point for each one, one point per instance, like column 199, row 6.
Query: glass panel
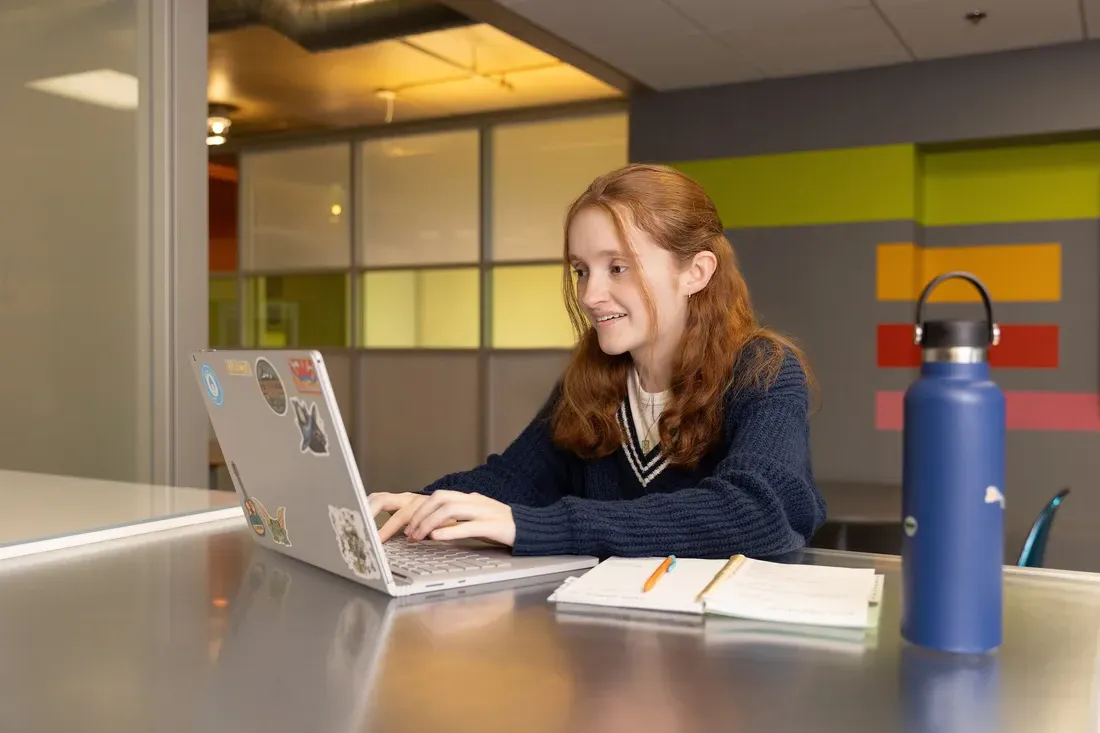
column 528, row 310
column 298, row 311
column 420, row 199
column 539, row 168
column 296, row 205
column 421, row 309
column 74, row 299
column 222, row 196
column 224, row 312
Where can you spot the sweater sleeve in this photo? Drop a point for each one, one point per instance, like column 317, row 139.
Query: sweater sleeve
column 531, row 470
column 761, row 499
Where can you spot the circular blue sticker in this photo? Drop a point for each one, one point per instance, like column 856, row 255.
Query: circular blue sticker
column 213, row 388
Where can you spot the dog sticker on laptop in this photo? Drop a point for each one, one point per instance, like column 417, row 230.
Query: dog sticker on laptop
column 351, row 538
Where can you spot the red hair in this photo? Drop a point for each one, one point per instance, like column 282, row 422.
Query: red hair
column 680, row 217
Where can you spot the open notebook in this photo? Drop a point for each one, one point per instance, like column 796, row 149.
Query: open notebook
column 811, row 595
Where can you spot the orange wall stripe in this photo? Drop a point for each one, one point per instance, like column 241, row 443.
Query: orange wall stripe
column 1025, row 346
column 1011, row 272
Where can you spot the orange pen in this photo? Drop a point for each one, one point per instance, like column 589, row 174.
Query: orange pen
column 665, row 567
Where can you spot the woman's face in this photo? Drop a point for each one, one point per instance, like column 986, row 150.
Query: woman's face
column 609, row 285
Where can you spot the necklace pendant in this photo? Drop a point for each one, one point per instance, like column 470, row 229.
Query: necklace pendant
column 645, row 445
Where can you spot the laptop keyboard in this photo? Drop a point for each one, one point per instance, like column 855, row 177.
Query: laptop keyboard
column 415, row 558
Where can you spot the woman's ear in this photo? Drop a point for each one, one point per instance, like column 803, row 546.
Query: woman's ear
column 699, row 272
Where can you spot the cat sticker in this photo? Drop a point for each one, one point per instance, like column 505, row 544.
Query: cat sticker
column 271, row 386
column 311, row 427
column 276, row 524
column 351, row 539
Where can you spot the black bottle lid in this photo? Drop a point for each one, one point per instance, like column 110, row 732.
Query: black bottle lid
column 946, row 334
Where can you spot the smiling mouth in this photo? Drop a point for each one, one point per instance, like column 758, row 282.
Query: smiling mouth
column 611, row 317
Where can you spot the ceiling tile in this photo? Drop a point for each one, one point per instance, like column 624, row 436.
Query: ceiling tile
column 678, row 62
column 819, row 42
column 617, row 21
column 938, row 28
column 738, row 15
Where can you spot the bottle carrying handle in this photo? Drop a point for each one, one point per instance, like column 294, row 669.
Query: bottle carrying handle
column 994, row 329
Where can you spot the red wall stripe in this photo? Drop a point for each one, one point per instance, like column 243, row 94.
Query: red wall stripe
column 1022, row 345
column 1065, row 411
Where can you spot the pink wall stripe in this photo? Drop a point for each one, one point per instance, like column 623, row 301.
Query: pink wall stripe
column 1068, row 411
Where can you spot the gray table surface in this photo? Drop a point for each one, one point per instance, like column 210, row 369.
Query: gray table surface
column 206, row 632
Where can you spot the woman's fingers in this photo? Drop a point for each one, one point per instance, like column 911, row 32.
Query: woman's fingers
column 451, row 510
column 430, row 505
column 386, row 502
column 484, row 530
column 394, row 524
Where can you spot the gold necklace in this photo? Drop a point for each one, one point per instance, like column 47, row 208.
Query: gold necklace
column 643, row 405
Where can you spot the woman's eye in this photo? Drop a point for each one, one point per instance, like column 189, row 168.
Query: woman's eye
column 578, row 273
column 618, row 269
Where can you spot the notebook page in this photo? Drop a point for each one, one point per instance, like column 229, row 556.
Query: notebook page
column 798, row 594
column 618, row 581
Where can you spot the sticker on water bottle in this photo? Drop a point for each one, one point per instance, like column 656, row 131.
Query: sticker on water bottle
column 910, row 526
column 994, row 496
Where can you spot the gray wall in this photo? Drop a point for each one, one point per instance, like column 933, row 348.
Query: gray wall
column 817, row 283
column 1032, row 92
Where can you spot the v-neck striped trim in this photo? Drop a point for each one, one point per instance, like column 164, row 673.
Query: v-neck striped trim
column 645, row 467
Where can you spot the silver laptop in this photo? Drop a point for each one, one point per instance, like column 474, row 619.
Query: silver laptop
column 275, row 416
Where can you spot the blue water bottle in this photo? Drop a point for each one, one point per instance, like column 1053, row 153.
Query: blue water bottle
column 953, row 477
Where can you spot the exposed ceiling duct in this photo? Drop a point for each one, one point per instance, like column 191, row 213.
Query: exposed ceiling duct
column 321, row 25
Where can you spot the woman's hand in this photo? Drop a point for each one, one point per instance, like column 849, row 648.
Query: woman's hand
column 445, row 515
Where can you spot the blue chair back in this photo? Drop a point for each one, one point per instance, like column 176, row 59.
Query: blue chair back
column 1036, row 543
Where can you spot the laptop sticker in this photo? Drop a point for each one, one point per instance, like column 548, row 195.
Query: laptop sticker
column 254, row 519
column 238, row 367
column 271, row 386
column 311, row 426
column 213, row 386
column 351, row 538
column 305, row 376
column 276, row 524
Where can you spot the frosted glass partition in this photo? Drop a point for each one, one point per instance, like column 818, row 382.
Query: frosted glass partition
column 103, row 278
column 431, row 308
column 419, row 199
column 529, row 308
column 420, row 417
column 519, row 385
column 539, row 168
column 295, row 208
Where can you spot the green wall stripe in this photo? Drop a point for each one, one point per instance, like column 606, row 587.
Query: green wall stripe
column 1012, row 184
column 813, row 187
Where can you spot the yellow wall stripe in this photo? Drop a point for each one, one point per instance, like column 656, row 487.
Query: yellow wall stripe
column 814, row 187
column 1010, row 184
column 1011, row 272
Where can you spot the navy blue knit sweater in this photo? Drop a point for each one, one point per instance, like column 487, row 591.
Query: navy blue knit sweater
column 753, row 493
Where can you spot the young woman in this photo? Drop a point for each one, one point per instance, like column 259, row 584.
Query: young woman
column 680, row 425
